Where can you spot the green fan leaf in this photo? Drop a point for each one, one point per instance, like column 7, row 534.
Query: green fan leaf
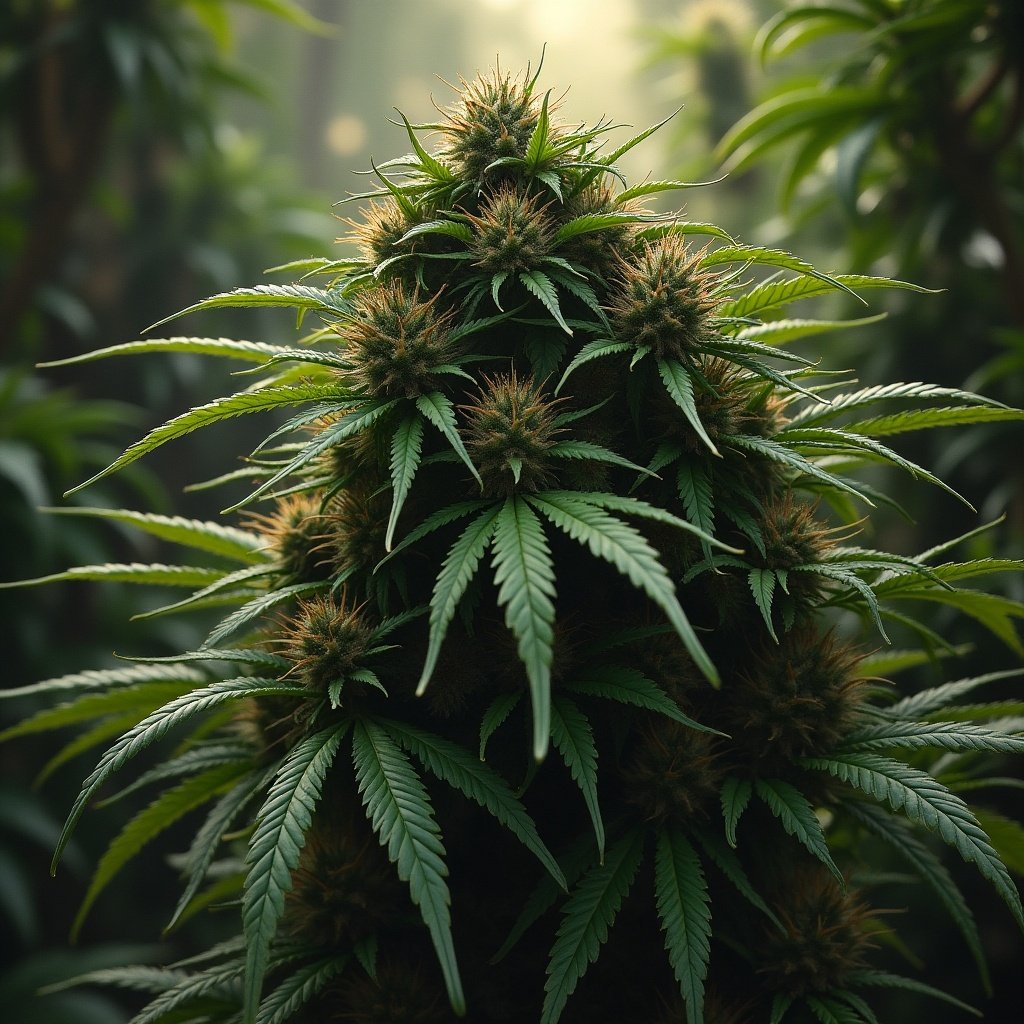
column 150, row 822
column 282, row 823
column 243, row 403
column 780, row 1006
column 797, row 816
column 152, row 575
column 593, row 350
column 698, row 496
column 925, row 801
column 830, row 1011
column 298, row 296
column 406, row 448
column 589, row 913
column 458, row 570
column 498, row 711
column 762, row 586
column 143, row 695
column 248, row 351
column 480, row 783
column 232, row 588
column 108, row 678
column 958, row 736
column 775, row 293
column 900, row 835
column 621, row 545
column 246, row 655
column 399, row 810
column 631, row 686
column 220, row 981
column 934, row 699
column 155, row 726
column 589, row 222
column 441, row 414
column 729, row 864
column 227, row 541
column 538, row 283
column 883, row 979
column 682, row 900
column 735, row 796
column 256, row 608
column 574, row 741
column 769, row 257
column 680, row 388
column 301, row 985
column 525, row 577
column 587, row 450
column 210, row 835
column 352, row 422
column 779, row 332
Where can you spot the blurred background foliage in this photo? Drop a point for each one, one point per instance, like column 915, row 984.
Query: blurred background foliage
column 155, row 151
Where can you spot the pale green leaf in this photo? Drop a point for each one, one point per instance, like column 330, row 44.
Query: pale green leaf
column 256, row 608
column 441, row 414
column 589, row 912
column 243, row 403
column 163, row 812
column 273, row 854
column 593, row 350
column 797, row 816
column 927, row 802
column 762, row 586
column 775, row 293
column 900, row 835
column 406, row 448
column 682, row 901
column 399, row 810
column 480, row 783
column 140, row 695
column 102, row 679
column 525, row 578
column 298, row 296
column 155, row 726
column 680, row 388
column 631, row 686
column 625, row 548
column 298, row 988
column 574, row 741
column 736, row 793
column 457, row 571
column 209, row 836
column 240, row 545
column 539, row 284
column 248, row 351
column 135, row 572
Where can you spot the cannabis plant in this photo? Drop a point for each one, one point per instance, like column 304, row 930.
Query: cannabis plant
column 549, row 641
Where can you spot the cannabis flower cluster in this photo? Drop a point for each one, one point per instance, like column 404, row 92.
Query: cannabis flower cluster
column 552, row 685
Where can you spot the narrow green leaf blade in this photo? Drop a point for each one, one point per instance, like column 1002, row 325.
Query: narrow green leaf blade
column 925, row 801
column 160, row 815
column 282, row 823
column 625, row 548
column 525, row 577
column 574, row 740
column 797, row 816
column 240, row 404
column 399, row 810
column 682, row 899
column 457, row 571
column 589, row 913
column 406, row 448
column 480, row 783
